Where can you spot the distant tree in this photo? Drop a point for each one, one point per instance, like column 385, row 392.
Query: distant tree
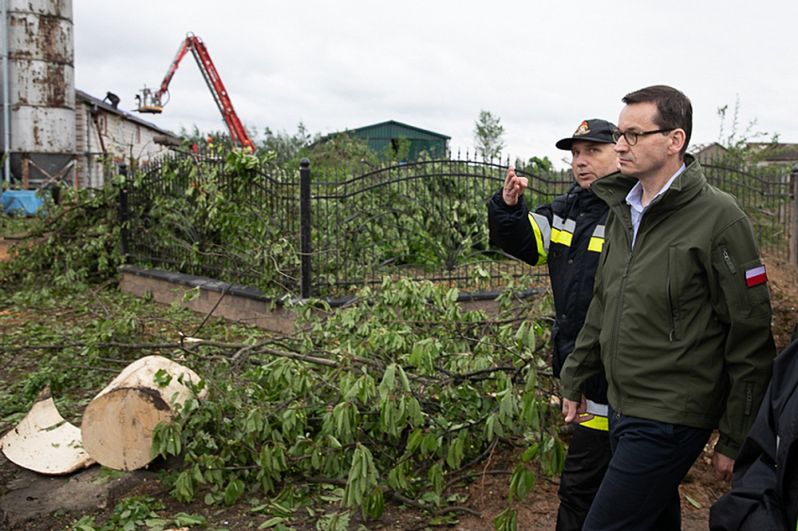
column 341, row 150
column 202, row 142
column 287, row 147
column 399, row 149
column 748, row 145
column 488, row 132
column 539, row 165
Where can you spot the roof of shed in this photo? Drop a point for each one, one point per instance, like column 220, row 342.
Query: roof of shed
column 402, row 125
column 88, row 98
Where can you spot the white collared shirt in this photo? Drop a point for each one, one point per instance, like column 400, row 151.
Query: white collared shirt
column 635, row 201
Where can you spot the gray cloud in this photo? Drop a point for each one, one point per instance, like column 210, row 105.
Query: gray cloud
column 540, row 67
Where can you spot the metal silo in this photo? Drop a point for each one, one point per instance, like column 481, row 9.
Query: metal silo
column 41, row 96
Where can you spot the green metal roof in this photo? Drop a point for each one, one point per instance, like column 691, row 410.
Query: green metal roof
column 394, row 129
column 385, row 137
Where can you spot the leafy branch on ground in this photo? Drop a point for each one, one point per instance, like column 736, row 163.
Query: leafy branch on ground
column 394, row 396
column 391, row 399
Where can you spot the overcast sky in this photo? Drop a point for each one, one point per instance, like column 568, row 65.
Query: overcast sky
column 541, row 67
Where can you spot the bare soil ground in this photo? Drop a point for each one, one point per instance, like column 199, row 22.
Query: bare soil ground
column 55, row 503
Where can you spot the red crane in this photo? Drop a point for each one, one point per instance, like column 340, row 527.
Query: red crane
column 152, row 102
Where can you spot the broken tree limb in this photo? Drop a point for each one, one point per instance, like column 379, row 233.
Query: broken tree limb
column 118, row 423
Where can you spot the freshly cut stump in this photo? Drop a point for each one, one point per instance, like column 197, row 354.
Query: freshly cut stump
column 118, row 423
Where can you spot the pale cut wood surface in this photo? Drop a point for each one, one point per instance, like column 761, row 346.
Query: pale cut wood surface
column 118, row 423
column 44, row 442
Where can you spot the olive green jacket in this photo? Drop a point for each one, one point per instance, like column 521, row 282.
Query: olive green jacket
column 681, row 337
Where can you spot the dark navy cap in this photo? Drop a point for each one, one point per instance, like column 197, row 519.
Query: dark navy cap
column 594, row 130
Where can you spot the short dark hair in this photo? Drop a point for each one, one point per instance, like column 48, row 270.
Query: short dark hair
column 674, row 109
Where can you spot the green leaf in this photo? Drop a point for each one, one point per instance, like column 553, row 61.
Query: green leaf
column 403, row 379
column 435, row 476
column 234, row 489
column 388, row 380
column 184, row 487
column 189, row 520
column 272, row 522
column 507, row 520
column 530, row 453
column 507, row 407
column 692, row 501
column 362, row 477
column 162, row 378
column 374, row 504
column 521, row 482
column 414, row 440
column 490, row 427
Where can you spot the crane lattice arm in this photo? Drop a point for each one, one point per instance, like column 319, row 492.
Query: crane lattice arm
column 152, row 102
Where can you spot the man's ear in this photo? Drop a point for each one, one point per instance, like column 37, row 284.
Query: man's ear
column 678, row 138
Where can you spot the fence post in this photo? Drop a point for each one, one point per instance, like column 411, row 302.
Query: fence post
column 124, row 214
column 305, row 248
column 794, row 215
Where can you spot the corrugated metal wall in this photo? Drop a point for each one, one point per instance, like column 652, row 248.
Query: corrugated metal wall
column 384, row 137
column 42, row 89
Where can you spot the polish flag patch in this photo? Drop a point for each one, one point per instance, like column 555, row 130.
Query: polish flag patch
column 755, row 276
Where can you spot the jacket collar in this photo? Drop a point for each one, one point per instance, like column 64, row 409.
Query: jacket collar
column 585, row 196
column 613, row 188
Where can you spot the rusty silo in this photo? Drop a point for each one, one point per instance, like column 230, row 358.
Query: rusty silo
column 41, row 90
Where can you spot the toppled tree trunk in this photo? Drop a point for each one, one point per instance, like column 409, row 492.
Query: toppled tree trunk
column 118, row 423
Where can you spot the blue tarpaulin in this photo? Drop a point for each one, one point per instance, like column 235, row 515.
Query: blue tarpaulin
column 21, row 202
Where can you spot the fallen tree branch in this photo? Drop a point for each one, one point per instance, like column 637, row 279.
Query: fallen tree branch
column 390, row 493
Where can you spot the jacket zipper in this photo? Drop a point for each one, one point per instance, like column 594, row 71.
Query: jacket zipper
column 672, row 311
column 615, row 330
column 728, row 260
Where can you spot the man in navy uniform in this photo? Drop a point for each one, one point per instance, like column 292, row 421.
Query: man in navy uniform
column 568, row 235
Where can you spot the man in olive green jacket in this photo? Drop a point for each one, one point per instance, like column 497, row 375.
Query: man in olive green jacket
column 679, row 322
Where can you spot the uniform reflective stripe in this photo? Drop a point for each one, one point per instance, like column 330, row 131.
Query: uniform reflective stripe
column 596, row 243
column 597, row 423
column 562, row 232
column 542, row 230
column 596, row 408
column 599, row 420
column 598, row 232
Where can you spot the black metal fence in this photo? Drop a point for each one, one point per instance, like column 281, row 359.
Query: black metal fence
column 767, row 194
column 213, row 217
column 328, row 231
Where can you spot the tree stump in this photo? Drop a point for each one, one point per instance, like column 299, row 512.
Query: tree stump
column 118, row 423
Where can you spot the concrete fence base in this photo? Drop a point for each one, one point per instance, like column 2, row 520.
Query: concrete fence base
column 239, row 303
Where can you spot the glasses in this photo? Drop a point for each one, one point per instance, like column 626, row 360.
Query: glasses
column 632, row 137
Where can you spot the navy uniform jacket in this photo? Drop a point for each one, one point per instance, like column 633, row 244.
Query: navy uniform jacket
column 764, row 495
column 568, row 235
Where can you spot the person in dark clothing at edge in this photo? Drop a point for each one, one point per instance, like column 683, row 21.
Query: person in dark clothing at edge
column 679, row 322
column 764, row 495
column 568, row 235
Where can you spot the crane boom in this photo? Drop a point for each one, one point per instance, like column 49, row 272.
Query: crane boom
column 152, row 102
